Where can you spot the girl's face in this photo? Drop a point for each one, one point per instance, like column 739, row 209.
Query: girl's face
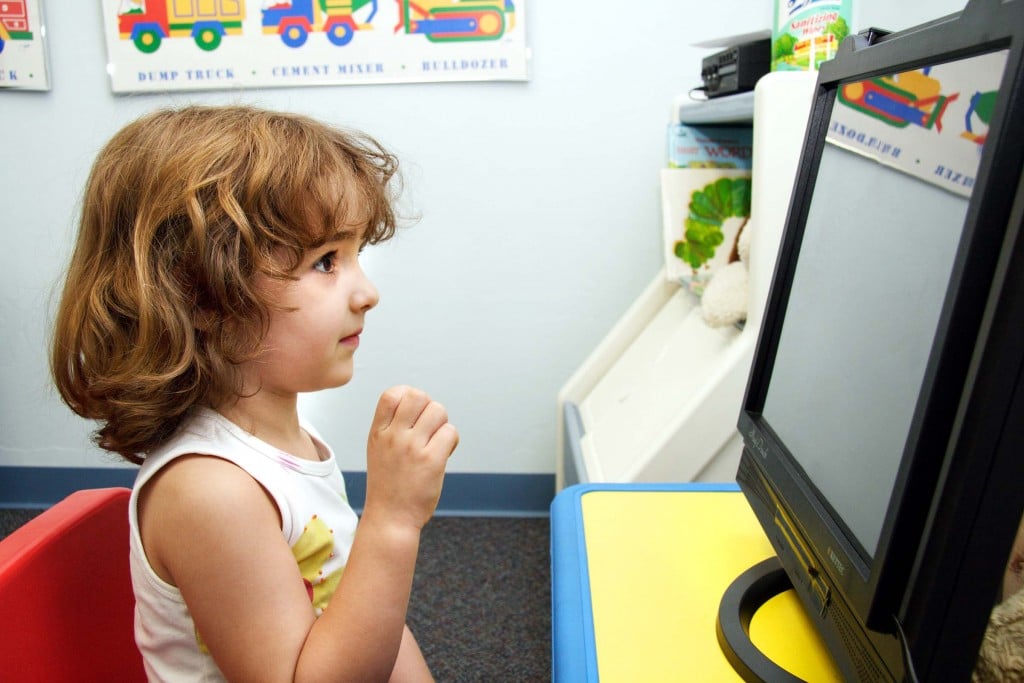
column 311, row 341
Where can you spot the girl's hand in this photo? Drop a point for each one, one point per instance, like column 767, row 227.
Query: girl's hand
column 409, row 445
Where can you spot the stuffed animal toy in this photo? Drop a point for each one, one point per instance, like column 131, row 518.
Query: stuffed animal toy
column 725, row 298
column 1002, row 651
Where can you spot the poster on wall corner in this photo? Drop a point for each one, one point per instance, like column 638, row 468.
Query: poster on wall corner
column 169, row 45
column 23, row 60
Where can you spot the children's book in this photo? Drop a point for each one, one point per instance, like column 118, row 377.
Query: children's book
column 710, row 146
column 703, row 212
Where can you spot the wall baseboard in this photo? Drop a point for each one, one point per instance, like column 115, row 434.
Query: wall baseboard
column 464, row 494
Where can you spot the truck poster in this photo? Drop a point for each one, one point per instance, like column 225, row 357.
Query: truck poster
column 163, row 45
column 22, row 46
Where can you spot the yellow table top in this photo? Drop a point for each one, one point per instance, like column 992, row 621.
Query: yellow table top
column 658, row 564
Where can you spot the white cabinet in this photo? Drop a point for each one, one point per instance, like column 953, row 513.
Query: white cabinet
column 658, row 399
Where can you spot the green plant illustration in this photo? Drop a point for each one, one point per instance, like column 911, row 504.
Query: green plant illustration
column 839, row 29
column 783, row 46
column 709, row 208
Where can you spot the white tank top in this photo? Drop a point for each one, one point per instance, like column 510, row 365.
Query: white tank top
column 316, row 521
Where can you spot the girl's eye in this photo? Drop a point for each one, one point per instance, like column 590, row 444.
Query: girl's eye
column 325, row 264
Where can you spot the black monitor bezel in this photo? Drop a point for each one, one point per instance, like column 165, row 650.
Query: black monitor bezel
column 894, row 580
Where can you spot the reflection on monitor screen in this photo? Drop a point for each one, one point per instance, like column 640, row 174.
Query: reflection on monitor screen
column 848, row 368
column 882, row 232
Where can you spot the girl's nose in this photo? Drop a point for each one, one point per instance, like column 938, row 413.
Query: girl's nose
column 365, row 295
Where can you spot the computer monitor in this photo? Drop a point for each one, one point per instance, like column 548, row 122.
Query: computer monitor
column 883, row 422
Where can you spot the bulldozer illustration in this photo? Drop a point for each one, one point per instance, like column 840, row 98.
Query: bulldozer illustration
column 455, row 20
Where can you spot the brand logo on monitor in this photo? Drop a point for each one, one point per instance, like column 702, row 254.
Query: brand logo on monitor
column 837, row 562
column 757, row 441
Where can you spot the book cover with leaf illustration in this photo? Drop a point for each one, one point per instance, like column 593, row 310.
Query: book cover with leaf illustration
column 703, row 211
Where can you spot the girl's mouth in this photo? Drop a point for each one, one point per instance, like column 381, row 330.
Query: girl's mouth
column 351, row 340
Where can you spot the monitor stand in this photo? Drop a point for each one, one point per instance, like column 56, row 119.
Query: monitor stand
column 741, row 600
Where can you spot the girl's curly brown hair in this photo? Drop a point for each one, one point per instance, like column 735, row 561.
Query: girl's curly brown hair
column 182, row 210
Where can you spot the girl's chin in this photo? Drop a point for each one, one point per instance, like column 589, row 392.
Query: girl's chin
column 339, row 379
column 329, row 378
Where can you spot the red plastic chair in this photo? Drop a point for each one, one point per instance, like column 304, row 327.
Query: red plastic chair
column 66, row 601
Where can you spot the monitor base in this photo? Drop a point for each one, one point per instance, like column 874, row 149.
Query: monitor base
column 741, row 600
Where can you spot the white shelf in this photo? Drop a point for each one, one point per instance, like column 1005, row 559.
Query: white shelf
column 675, row 350
column 659, row 398
column 729, row 109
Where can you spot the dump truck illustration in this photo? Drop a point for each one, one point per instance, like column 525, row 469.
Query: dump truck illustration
column 912, row 97
column 13, row 22
column 147, row 22
column 294, row 20
column 455, row 20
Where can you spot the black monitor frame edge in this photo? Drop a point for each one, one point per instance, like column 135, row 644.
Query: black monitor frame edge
column 962, row 526
column 877, row 602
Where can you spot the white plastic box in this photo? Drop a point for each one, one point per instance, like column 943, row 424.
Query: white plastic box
column 659, row 398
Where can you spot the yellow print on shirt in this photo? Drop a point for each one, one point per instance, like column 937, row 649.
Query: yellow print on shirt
column 312, row 551
column 314, row 547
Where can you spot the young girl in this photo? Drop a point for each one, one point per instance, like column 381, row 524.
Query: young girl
column 215, row 276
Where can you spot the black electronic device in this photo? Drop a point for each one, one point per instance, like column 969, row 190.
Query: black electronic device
column 736, row 69
column 883, row 422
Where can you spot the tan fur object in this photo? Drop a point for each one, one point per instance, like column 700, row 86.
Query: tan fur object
column 726, row 296
column 725, row 299
column 1002, row 652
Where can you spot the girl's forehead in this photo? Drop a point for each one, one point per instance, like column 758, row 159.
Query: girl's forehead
column 343, row 234
column 332, row 219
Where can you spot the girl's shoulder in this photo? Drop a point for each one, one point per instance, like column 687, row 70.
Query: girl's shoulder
column 299, row 489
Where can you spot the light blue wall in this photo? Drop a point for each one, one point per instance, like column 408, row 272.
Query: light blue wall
column 540, row 217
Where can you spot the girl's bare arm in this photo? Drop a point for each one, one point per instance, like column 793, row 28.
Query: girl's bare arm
column 212, row 531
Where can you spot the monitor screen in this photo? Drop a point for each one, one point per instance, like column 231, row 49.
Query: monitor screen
column 882, row 233
column 882, row 421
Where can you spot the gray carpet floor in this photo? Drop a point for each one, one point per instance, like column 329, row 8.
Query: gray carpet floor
column 481, row 598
